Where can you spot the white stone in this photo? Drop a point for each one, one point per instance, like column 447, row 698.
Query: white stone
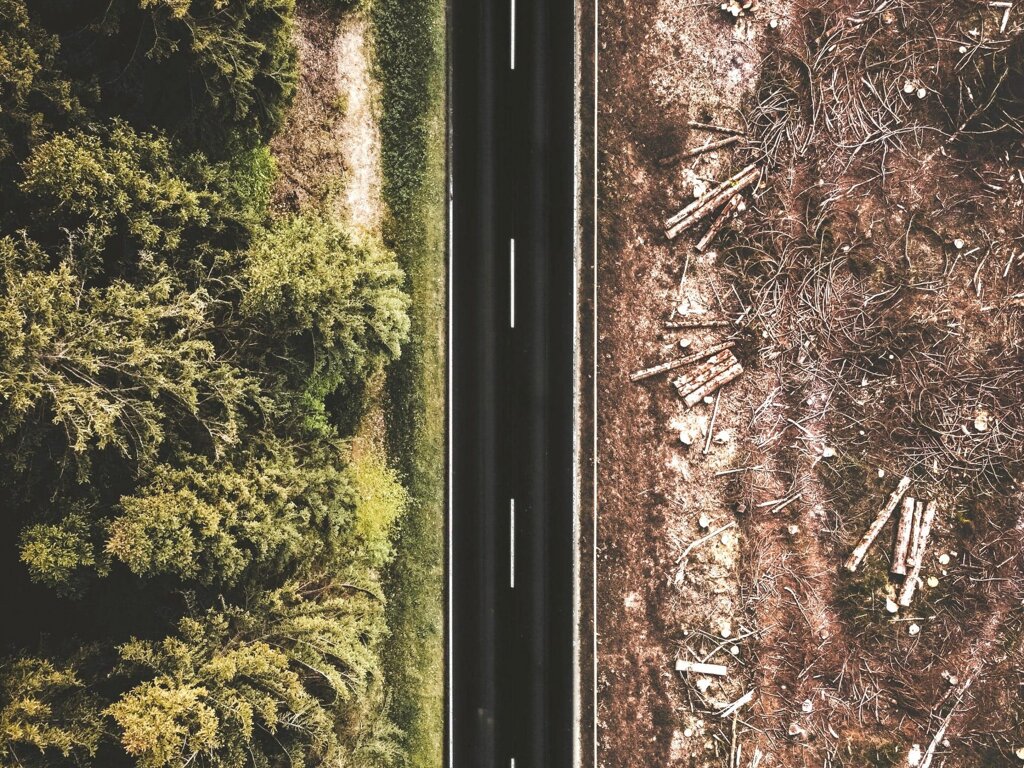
column 943, row 559
column 891, row 606
column 703, row 521
column 807, row 706
column 959, row 244
column 914, row 757
column 913, row 629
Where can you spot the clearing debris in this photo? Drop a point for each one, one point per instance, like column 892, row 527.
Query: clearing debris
column 706, row 378
column 713, row 199
column 809, row 239
column 877, row 524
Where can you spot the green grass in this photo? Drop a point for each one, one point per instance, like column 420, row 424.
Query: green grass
column 410, row 66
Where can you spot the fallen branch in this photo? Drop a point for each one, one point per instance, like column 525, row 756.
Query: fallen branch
column 940, row 734
column 707, row 204
column 716, row 383
column 915, row 532
column 697, row 542
column 738, row 704
column 679, row 362
column 703, row 373
column 676, row 325
column 714, row 128
column 861, row 549
column 707, row 147
column 711, row 426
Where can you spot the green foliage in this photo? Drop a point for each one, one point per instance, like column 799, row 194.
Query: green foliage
column 381, row 501
column 45, row 710
column 56, row 554
column 333, row 307
column 249, row 176
column 111, row 184
column 179, row 370
column 236, row 686
column 871, row 751
column 199, row 68
column 112, row 366
column 34, row 94
column 210, row 523
column 409, row 51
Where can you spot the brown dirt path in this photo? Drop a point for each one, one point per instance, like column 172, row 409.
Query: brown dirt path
column 662, row 63
column 329, row 149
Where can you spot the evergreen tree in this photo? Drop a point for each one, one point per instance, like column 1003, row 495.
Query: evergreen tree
column 190, row 551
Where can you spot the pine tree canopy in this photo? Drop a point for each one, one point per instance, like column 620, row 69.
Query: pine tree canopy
column 191, row 546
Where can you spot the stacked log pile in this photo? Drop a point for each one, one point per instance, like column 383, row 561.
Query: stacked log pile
column 715, row 367
column 704, row 380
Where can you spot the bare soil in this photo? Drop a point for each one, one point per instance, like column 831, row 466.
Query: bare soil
column 836, row 679
column 329, row 150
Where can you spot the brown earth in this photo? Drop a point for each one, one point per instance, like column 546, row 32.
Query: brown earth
column 328, row 153
column 836, row 680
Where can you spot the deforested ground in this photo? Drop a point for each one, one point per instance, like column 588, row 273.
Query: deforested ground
column 873, row 283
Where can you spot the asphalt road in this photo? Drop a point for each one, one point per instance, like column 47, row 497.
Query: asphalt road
column 511, row 429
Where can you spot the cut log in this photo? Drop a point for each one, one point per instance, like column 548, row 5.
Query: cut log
column 910, row 583
column 879, row 522
column 710, row 202
column 679, row 362
column 915, row 532
column 697, row 377
column 719, row 222
column 703, row 200
column 901, row 544
column 690, row 381
column 741, row 702
column 675, row 325
column 706, row 147
column 697, row 668
column 713, row 386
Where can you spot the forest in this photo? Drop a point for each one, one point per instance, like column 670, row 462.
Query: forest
column 194, row 559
